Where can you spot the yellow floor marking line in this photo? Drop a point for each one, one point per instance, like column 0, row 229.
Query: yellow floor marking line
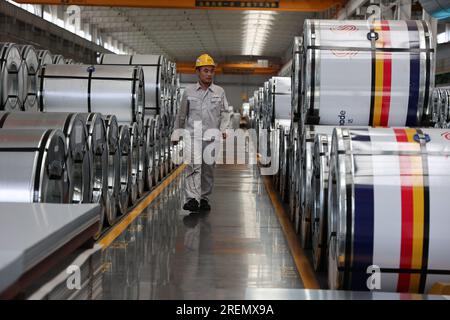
column 301, row 261
column 117, row 230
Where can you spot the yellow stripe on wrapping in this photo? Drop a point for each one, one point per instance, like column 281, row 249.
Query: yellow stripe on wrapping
column 419, row 211
column 379, row 68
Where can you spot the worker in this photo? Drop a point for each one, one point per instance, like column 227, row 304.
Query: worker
column 205, row 103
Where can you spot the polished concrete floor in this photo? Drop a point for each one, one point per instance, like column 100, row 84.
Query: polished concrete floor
column 168, row 253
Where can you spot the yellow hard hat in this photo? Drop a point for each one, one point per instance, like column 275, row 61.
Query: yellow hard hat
column 204, row 60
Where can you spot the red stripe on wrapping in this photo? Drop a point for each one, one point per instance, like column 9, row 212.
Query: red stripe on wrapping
column 387, row 75
column 406, row 248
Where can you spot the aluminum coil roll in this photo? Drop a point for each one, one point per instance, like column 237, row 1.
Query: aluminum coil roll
column 159, row 148
column 376, row 73
column 166, row 144
column 125, row 168
column 439, row 107
column 69, row 61
column 155, row 73
column 293, row 170
column 30, row 58
column 388, row 207
column 77, row 159
column 150, row 178
column 38, row 172
column 114, row 90
column 58, row 59
column 112, row 136
column 321, row 157
column 13, row 84
column 303, row 222
column 142, row 149
column 98, row 151
column 45, row 57
column 296, row 84
column 279, row 100
column 284, row 159
column 157, row 145
column 134, row 155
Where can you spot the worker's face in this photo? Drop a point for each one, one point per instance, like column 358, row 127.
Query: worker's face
column 206, row 74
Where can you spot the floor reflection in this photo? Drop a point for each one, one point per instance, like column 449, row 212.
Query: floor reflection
column 168, row 253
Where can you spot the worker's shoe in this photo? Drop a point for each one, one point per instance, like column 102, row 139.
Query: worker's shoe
column 204, row 205
column 191, row 205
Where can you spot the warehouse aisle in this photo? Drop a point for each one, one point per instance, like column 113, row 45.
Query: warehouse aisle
column 167, row 253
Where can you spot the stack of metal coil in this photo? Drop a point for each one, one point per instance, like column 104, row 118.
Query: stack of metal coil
column 354, row 74
column 90, row 137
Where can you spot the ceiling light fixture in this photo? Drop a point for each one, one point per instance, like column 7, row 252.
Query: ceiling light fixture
column 257, row 26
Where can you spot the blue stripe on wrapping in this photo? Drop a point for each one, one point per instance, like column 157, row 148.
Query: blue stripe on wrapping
column 363, row 229
column 414, row 74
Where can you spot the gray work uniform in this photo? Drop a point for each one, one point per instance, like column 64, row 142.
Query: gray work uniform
column 211, row 108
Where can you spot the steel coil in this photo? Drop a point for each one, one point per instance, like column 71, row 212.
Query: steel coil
column 125, row 168
column 321, row 155
column 112, row 200
column 45, row 57
column 166, row 145
column 284, row 162
column 134, row 159
column 303, row 222
column 150, row 158
column 293, row 170
column 155, row 73
column 77, row 159
column 159, row 148
column 13, row 84
column 58, row 59
column 69, row 61
column 387, row 207
column 296, row 84
column 30, row 58
column 98, row 152
column 114, row 90
column 37, row 172
column 440, row 107
column 279, row 108
column 142, row 150
column 376, row 73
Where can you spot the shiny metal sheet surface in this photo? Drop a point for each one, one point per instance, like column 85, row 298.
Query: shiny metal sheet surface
column 31, row 232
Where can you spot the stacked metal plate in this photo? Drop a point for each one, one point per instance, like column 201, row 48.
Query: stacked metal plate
column 89, row 265
column 44, row 230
